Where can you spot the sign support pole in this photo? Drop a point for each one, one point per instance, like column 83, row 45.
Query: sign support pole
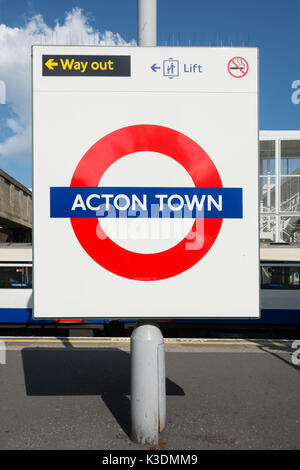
column 146, row 22
column 148, row 377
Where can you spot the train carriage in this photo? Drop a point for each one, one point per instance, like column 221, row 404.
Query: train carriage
column 279, row 292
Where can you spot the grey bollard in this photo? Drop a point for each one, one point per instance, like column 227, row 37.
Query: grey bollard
column 148, row 383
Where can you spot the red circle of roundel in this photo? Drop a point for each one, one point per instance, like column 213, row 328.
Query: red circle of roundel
column 149, row 266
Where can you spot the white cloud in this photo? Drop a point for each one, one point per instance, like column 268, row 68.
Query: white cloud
column 15, row 67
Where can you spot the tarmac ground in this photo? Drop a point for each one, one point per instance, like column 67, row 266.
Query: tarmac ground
column 64, row 393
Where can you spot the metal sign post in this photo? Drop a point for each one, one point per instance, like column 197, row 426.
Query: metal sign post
column 148, row 377
column 146, row 22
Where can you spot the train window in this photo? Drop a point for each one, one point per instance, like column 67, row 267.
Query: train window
column 280, row 277
column 15, row 277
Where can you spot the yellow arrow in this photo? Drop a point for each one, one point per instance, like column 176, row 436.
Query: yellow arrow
column 50, row 64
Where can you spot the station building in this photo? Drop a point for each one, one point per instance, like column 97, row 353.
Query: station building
column 279, row 186
column 15, row 210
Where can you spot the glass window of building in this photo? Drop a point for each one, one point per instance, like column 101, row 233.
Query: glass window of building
column 267, row 177
column 290, row 228
column 290, row 176
column 267, row 227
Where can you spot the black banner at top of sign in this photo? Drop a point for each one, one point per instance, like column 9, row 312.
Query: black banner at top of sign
column 86, row 65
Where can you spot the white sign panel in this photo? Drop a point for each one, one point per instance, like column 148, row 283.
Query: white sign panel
column 145, row 182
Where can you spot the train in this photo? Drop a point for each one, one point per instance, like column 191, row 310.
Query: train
column 279, row 291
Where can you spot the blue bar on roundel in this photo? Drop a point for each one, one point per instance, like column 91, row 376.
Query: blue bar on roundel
column 148, row 202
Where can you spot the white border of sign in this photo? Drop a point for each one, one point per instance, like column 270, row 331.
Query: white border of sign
column 154, row 313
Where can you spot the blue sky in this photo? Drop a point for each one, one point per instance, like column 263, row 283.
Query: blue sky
column 273, row 26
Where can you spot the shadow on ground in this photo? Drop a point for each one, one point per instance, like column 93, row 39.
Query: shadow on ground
column 84, row 371
column 276, row 349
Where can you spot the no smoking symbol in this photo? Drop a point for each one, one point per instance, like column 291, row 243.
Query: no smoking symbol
column 238, row 67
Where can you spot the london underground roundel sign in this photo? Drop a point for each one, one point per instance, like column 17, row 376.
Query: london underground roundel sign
column 145, row 182
column 110, row 148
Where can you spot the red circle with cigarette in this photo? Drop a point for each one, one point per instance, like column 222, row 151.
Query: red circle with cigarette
column 238, row 67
